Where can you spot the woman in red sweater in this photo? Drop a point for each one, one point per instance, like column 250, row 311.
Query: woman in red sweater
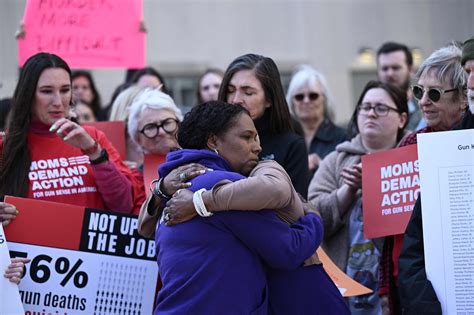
column 46, row 156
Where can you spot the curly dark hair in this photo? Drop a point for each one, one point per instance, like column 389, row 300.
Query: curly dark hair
column 205, row 120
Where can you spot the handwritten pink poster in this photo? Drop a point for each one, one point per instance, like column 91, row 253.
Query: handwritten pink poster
column 87, row 34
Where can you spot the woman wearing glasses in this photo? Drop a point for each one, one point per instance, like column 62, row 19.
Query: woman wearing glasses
column 439, row 89
column 377, row 124
column 309, row 101
column 152, row 125
column 153, row 122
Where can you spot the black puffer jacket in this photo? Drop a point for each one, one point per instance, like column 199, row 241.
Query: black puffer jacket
column 417, row 295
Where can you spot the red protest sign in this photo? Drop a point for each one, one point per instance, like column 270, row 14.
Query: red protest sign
column 87, row 34
column 33, row 217
column 150, row 169
column 115, row 132
column 390, row 187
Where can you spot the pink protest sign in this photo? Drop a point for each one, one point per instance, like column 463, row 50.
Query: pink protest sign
column 85, row 33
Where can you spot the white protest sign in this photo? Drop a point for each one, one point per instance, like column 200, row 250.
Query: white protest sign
column 10, row 302
column 447, row 196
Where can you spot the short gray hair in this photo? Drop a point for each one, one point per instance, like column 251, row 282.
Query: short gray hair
column 446, row 64
column 307, row 75
column 149, row 98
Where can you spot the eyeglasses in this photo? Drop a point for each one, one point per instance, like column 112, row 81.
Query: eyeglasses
column 434, row 94
column 379, row 109
column 312, row 96
column 169, row 125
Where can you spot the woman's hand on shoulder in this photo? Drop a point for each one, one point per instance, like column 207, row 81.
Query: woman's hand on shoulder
column 180, row 208
column 180, row 176
column 74, row 134
column 8, row 212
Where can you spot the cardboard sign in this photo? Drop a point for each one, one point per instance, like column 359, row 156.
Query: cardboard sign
column 115, row 132
column 390, row 187
column 83, row 261
column 150, row 169
column 87, row 34
column 346, row 285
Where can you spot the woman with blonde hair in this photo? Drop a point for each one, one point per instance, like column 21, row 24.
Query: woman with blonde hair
column 119, row 112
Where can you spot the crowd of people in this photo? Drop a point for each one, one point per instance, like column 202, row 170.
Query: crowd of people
column 252, row 180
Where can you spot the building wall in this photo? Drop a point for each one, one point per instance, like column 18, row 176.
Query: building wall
column 187, row 36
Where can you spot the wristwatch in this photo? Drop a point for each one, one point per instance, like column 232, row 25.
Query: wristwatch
column 104, row 156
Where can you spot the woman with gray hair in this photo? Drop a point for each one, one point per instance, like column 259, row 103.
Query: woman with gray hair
column 152, row 125
column 308, row 99
column 440, row 91
column 153, row 122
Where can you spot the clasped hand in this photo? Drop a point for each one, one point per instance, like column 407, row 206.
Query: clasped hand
column 180, row 208
column 352, row 176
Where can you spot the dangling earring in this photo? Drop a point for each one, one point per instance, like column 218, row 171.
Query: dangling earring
column 215, row 150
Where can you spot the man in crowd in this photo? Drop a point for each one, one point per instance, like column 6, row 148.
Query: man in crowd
column 468, row 64
column 417, row 295
column 395, row 66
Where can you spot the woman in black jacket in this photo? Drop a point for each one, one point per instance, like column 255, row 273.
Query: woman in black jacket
column 253, row 81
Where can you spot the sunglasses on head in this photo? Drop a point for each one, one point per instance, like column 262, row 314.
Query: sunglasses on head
column 312, row 96
column 434, row 94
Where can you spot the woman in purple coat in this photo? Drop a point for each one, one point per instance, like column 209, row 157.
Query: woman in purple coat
column 216, row 264
column 300, row 290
